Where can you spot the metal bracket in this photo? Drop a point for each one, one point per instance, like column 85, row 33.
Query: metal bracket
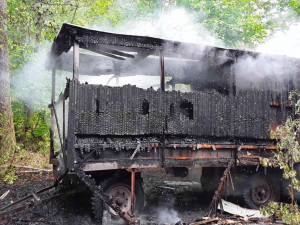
column 138, row 147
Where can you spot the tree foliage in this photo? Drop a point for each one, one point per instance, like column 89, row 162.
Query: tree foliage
column 287, row 158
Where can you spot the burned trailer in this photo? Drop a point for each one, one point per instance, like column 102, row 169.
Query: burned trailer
column 231, row 104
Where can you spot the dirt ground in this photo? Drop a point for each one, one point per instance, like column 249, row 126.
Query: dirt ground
column 163, row 206
column 167, row 202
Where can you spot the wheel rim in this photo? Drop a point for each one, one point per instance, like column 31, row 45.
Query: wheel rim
column 121, row 196
column 261, row 192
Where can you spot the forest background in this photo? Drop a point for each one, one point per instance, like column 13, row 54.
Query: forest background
column 33, row 24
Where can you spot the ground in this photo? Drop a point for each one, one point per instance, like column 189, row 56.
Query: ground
column 181, row 201
column 162, row 205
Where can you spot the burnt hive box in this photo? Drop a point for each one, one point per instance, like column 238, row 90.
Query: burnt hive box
column 234, row 96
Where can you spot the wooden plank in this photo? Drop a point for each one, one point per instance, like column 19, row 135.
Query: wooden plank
column 162, row 70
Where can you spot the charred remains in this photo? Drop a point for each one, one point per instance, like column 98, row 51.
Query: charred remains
column 213, row 106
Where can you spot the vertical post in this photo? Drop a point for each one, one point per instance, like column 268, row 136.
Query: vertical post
column 132, row 190
column 64, row 132
column 173, row 87
column 52, row 115
column 76, row 61
column 64, row 122
column 162, row 86
column 162, row 70
column 117, row 80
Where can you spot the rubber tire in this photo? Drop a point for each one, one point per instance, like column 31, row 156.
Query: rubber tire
column 99, row 206
column 275, row 195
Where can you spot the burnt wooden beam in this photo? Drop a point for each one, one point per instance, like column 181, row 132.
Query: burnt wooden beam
column 105, row 51
column 115, row 52
column 107, row 54
column 162, row 70
column 133, row 43
column 76, row 61
column 88, row 64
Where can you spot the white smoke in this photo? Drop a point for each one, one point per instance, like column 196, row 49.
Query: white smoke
column 167, row 216
column 31, row 83
column 175, row 24
column 273, row 63
column 283, row 42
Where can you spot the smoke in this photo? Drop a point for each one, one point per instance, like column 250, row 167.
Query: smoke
column 166, row 213
column 274, row 63
column 174, row 24
column 286, row 42
column 108, row 219
column 167, row 216
column 31, row 83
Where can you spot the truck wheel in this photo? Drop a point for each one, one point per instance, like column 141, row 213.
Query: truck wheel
column 120, row 191
column 260, row 191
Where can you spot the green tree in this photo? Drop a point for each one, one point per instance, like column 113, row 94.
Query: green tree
column 7, row 134
column 30, row 24
column 287, row 158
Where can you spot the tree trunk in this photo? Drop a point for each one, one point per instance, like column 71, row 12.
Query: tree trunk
column 7, row 134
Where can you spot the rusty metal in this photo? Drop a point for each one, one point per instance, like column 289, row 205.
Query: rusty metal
column 222, row 146
column 132, row 190
column 277, row 104
column 98, row 192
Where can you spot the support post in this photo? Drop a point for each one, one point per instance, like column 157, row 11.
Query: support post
column 173, row 87
column 64, row 132
column 117, row 80
column 132, row 190
column 162, row 86
column 64, row 122
column 162, row 70
column 76, row 61
column 52, row 115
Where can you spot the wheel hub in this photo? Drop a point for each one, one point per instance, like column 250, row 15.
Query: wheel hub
column 121, row 196
column 261, row 192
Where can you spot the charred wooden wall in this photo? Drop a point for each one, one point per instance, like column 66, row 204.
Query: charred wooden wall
column 128, row 110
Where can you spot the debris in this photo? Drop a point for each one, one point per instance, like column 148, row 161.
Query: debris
column 4, row 195
column 205, row 221
column 166, row 187
column 240, row 211
column 231, row 221
column 26, row 167
column 179, row 223
column 212, row 209
column 138, row 148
